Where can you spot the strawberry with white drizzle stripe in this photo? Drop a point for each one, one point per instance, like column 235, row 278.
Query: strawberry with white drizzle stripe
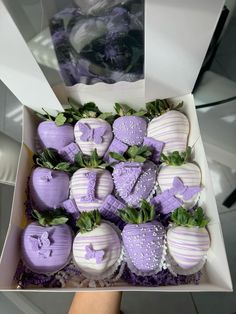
column 97, row 245
column 188, row 240
column 91, row 184
column 178, row 165
column 92, row 131
column 143, row 237
column 168, row 125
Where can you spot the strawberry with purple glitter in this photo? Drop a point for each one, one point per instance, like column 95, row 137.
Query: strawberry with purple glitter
column 143, row 237
column 135, row 176
column 130, row 128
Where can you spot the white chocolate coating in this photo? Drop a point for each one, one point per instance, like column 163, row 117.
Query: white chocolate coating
column 188, row 245
column 79, row 186
column 88, row 146
column 172, row 128
column 105, row 238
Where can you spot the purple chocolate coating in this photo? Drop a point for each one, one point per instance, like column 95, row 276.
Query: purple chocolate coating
column 130, row 129
column 37, row 260
column 53, row 136
column 48, row 188
column 144, row 244
column 134, row 181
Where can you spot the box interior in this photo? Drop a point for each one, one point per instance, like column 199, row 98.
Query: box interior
column 212, row 279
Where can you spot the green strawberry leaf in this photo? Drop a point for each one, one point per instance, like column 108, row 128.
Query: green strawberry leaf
column 58, row 221
column 60, row 119
column 88, row 221
column 133, row 151
column 133, row 215
column 139, row 159
column 183, row 217
column 117, row 156
column 64, row 166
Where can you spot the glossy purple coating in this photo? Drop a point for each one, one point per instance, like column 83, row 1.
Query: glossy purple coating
column 48, row 188
column 52, row 136
column 144, row 244
column 134, row 181
column 46, row 249
column 116, row 146
column 166, row 202
column 130, row 129
column 68, row 152
column 156, row 146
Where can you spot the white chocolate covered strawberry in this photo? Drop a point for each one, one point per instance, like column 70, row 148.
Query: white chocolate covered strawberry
column 180, row 175
column 90, row 184
column 97, row 245
column 168, row 125
column 188, row 239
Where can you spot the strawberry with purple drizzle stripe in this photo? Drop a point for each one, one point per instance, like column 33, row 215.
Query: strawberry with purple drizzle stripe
column 92, row 131
column 46, row 245
column 187, row 174
column 168, row 125
column 91, row 183
column 188, row 240
column 135, row 176
column 49, row 183
column 53, row 134
column 97, row 245
column 143, row 237
column 130, row 128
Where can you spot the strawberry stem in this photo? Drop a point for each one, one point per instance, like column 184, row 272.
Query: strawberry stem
column 160, row 106
column 133, row 215
column 183, row 217
column 88, row 221
column 176, row 158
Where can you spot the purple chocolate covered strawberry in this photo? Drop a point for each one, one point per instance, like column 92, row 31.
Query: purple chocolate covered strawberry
column 46, row 245
column 134, row 177
column 92, row 131
column 53, row 133
column 143, row 237
column 92, row 183
column 49, row 183
column 180, row 176
column 188, row 240
column 130, row 128
column 97, row 246
column 168, row 125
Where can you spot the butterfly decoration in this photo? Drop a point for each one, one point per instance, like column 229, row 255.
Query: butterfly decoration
column 91, row 253
column 187, row 192
column 40, row 242
column 89, row 134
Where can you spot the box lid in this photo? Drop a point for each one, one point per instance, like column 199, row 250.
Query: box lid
column 177, row 36
column 18, row 69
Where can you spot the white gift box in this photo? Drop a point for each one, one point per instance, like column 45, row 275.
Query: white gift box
column 173, row 56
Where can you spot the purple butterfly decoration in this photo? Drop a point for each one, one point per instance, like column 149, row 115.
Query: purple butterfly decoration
column 45, row 253
column 187, row 192
column 40, row 242
column 91, row 253
column 89, row 134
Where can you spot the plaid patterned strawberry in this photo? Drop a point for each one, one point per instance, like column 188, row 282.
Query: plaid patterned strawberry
column 143, row 237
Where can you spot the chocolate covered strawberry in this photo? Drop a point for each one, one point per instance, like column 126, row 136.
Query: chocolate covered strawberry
column 46, row 245
column 92, row 183
column 143, row 237
column 135, row 176
column 188, row 239
column 53, row 134
column 49, row 183
column 97, row 245
column 180, row 175
column 92, row 131
column 130, row 128
column 168, row 125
